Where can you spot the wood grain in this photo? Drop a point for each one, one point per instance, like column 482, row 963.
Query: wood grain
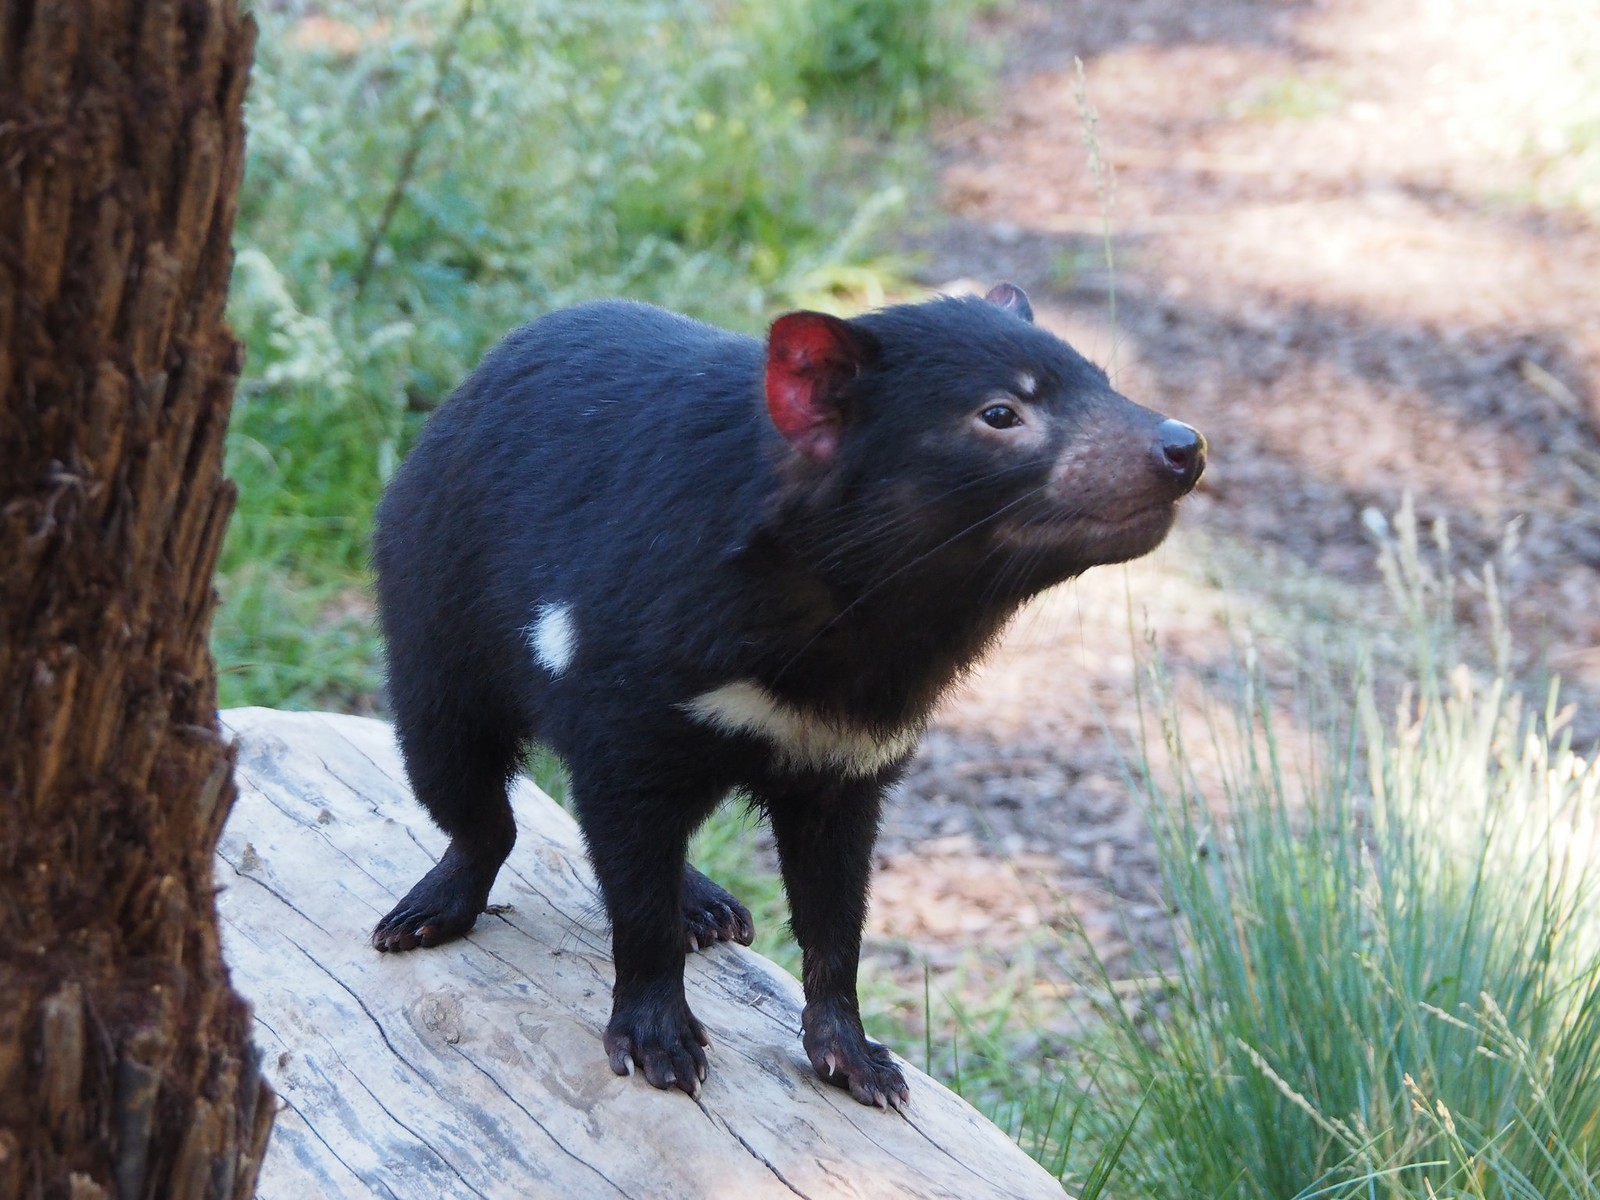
column 475, row 1069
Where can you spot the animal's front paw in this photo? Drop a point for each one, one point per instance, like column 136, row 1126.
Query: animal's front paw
column 843, row 1056
column 663, row 1038
column 712, row 914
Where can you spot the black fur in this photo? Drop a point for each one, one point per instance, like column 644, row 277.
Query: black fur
column 621, row 460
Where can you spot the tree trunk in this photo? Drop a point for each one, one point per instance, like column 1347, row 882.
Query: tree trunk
column 125, row 1065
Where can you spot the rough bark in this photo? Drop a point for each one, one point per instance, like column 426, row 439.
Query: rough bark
column 125, row 1064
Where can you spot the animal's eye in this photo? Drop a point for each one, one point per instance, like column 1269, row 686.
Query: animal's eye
column 1000, row 416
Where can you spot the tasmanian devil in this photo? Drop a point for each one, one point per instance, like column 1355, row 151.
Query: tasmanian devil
column 691, row 562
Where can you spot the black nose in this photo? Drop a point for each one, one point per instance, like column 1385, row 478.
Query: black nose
column 1180, row 453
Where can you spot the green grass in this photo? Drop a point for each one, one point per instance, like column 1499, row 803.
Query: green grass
column 1388, row 989
column 884, row 60
column 1389, row 983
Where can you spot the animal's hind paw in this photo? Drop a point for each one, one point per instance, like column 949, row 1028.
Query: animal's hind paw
column 712, row 914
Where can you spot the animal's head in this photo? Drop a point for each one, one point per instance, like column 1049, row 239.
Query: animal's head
column 960, row 423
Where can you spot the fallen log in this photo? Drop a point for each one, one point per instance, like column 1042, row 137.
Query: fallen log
column 475, row 1069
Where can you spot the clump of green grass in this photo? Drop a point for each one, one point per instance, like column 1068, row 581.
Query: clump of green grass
column 1390, row 975
column 889, row 61
column 1389, row 919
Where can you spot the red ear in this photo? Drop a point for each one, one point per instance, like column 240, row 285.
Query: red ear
column 810, row 357
column 1011, row 298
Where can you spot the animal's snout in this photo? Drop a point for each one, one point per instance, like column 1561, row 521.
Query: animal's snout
column 1179, row 452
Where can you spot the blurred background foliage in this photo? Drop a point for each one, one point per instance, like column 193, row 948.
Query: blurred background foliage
column 424, row 177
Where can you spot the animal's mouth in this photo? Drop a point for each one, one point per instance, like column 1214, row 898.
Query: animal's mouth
column 1080, row 525
column 1095, row 539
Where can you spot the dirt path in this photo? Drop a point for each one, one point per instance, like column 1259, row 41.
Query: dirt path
column 1356, row 243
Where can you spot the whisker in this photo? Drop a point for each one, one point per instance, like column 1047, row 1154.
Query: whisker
column 887, row 530
column 896, row 573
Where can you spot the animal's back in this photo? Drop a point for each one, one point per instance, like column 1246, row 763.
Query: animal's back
column 596, row 458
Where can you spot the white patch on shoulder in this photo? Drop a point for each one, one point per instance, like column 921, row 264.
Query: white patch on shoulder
column 802, row 739
column 1026, row 385
column 553, row 637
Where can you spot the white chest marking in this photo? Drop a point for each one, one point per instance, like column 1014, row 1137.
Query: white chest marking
column 553, row 637
column 802, row 739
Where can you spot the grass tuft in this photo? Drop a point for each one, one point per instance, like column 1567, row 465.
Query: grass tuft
column 1385, row 895
column 889, row 62
column 1390, row 976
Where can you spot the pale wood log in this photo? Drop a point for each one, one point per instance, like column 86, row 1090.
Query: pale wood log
column 476, row 1069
